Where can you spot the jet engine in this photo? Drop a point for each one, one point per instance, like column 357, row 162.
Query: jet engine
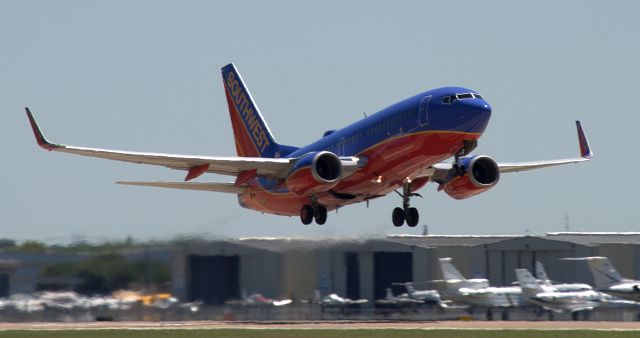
column 481, row 174
column 314, row 172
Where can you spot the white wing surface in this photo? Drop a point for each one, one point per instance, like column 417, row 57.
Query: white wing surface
column 195, row 164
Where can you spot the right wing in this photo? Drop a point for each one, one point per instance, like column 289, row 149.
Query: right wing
column 196, row 165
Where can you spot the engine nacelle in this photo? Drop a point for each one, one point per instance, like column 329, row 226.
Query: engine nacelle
column 481, row 174
column 314, row 172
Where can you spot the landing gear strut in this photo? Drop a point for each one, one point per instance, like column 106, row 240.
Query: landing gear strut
column 314, row 211
column 406, row 213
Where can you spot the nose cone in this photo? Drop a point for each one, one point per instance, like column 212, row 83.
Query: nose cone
column 477, row 113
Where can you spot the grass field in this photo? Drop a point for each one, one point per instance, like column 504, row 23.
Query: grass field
column 273, row 333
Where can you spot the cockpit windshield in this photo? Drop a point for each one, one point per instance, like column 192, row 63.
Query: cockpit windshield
column 463, row 96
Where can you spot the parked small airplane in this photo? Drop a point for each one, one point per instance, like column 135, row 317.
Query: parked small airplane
column 568, row 301
column 401, row 146
column 556, row 301
column 333, row 299
column 608, row 280
column 548, row 285
column 428, row 296
column 258, row 299
column 476, row 292
column 399, row 301
column 432, row 297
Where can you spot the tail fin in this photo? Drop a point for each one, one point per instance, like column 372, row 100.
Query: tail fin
column 542, row 274
column 389, row 294
column 252, row 135
column 528, row 284
column 449, row 272
column 409, row 287
column 603, row 271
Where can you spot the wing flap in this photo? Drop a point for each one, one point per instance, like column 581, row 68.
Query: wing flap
column 201, row 186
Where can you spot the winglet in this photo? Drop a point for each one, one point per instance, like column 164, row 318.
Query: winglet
column 42, row 141
column 585, row 150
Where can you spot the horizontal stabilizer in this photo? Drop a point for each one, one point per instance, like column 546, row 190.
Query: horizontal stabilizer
column 202, row 186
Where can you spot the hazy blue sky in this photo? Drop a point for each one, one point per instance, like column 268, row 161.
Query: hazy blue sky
column 144, row 75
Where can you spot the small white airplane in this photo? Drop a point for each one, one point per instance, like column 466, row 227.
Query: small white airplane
column 333, row 299
column 258, row 299
column 402, row 300
column 608, row 280
column 557, row 301
column 428, row 296
column 477, row 291
column 548, row 285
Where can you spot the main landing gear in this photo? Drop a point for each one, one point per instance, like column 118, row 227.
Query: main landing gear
column 406, row 213
column 309, row 212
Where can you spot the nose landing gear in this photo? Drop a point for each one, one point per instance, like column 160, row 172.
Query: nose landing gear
column 406, row 213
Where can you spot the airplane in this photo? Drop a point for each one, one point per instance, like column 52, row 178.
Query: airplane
column 258, row 299
column 402, row 300
column 608, row 280
column 556, row 301
column 432, row 297
column 334, row 300
column 477, row 292
column 428, row 296
column 402, row 147
column 547, row 284
column 567, row 301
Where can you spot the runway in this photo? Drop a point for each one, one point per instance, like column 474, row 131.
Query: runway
column 331, row 325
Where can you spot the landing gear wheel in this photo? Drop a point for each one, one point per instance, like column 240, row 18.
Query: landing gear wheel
column 397, row 217
column 412, row 217
column 321, row 215
column 306, row 215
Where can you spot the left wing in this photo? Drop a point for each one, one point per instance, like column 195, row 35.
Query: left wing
column 196, row 165
column 585, row 155
column 443, row 169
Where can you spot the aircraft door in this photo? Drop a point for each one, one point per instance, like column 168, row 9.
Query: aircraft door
column 423, row 111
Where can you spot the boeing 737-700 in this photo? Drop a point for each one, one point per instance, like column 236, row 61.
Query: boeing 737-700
column 401, row 147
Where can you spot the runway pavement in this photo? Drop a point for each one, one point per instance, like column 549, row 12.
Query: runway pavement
column 462, row 325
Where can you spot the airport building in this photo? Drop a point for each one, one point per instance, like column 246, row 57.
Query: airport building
column 294, row 268
column 220, row 270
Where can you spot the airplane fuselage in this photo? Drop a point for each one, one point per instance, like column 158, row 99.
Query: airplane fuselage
column 396, row 143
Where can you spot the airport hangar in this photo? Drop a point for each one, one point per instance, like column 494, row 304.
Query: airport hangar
column 219, row 270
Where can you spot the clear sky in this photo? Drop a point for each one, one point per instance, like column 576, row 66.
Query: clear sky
column 145, row 75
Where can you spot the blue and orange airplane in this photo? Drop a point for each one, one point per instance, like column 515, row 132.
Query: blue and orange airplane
column 401, row 147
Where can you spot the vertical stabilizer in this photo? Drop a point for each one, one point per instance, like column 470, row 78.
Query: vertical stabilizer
column 542, row 274
column 252, row 135
column 409, row 287
column 604, row 273
column 528, row 284
column 449, row 271
column 389, row 294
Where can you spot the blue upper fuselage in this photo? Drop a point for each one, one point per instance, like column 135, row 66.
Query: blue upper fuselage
column 443, row 109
